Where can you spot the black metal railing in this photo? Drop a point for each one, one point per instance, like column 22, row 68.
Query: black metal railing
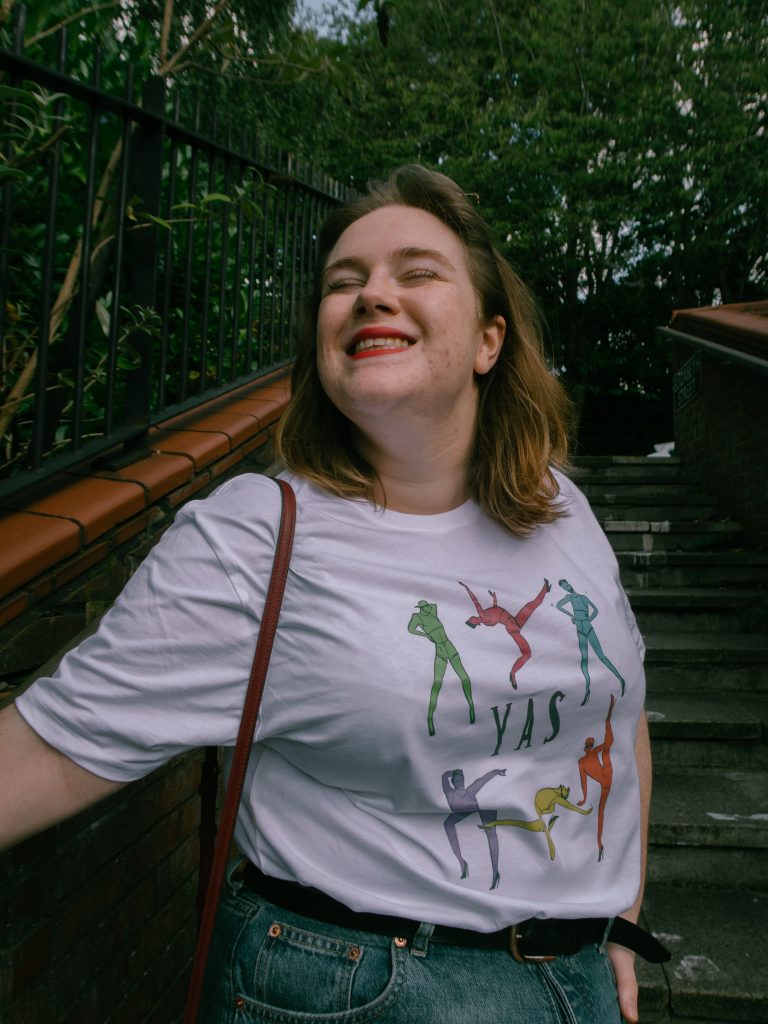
column 144, row 267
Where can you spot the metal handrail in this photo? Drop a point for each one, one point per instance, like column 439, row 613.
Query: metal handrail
column 721, row 352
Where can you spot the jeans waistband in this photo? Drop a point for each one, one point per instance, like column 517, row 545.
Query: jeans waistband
column 532, row 940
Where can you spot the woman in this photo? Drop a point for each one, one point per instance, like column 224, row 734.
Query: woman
column 390, row 821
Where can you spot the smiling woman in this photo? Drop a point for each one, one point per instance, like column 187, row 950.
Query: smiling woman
column 415, row 309
column 405, row 861
column 413, row 260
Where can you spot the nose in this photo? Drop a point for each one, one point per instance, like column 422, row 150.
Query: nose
column 377, row 295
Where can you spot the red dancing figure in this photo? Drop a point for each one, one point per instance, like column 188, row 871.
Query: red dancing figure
column 590, row 766
column 495, row 615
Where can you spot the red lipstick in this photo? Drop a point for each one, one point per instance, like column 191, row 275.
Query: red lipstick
column 373, row 332
column 379, row 331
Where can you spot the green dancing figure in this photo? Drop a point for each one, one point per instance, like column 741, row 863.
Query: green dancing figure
column 582, row 612
column 425, row 623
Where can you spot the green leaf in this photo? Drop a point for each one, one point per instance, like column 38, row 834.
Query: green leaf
column 103, row 316
column 127, row 357
column 216, row 196
column 156, row 220
column 46, row 98
column 8, row 92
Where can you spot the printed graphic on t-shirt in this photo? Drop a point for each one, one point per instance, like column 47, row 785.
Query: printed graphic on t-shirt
column 463, row 801
column 495, row 615
column 425, row 623
column 596, row 764
column 545, row 802
column 549, row 803
column 582, row 612
column 526, row 736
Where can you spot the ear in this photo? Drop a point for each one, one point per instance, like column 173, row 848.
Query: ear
column 489, row 349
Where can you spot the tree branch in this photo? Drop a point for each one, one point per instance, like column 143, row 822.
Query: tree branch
column 302, row 71
column 166, row 32
column 200, row 32
column 30, row 158
column 68, row 21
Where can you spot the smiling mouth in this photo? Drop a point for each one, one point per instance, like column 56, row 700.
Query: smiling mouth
column 378, row 346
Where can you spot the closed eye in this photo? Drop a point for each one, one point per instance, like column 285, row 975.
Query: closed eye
column 416, row 274
column 421, row 273
column 344, row 282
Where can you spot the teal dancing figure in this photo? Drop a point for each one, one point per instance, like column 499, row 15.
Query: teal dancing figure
column 581, row 614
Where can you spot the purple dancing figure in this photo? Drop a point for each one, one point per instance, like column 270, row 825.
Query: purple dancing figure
column 463, row 801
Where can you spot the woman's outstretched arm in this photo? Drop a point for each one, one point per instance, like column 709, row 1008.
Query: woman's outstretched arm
column 38, row 785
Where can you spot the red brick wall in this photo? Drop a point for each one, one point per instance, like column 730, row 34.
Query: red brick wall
column 722, row 436
column 97, row 915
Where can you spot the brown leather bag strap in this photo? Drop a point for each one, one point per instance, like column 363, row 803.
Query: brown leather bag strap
column 243, row 745
column 209, row 798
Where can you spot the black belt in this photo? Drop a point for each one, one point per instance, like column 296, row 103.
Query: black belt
column 530, row 941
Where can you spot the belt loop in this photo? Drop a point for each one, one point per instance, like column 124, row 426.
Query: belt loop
column 420, row 943
column 608, row 927
column 234, row 875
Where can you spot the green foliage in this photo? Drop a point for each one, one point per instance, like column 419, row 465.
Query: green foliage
column 618, row 150
column 204, row 230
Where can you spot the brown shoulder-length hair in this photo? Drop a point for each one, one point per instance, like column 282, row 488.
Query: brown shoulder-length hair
column 524, row 414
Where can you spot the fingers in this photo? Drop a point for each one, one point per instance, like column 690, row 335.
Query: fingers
column 623, row 963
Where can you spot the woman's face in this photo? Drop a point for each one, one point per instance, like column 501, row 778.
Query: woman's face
column 399, row 330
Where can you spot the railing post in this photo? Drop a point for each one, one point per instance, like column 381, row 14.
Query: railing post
column 145, row 175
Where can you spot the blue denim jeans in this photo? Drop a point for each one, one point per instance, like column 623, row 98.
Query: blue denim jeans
column 272, row 966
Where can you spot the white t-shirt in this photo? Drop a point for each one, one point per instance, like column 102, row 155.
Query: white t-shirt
column 354, row 787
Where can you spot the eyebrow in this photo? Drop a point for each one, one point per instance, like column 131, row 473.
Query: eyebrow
column 407, row 252
column 415, row 251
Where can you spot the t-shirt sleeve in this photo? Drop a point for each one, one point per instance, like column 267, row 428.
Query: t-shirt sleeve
column 166, row 670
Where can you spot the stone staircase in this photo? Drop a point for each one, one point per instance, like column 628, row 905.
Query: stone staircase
column 701, row 601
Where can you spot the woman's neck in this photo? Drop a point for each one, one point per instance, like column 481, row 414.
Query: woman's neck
column 422, row 476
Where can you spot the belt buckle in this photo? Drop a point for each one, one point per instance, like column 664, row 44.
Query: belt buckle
column 524, row 958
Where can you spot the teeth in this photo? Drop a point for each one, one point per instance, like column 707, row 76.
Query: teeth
column 368, row 343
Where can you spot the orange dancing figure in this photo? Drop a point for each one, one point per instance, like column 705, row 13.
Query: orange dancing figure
column 591, row 766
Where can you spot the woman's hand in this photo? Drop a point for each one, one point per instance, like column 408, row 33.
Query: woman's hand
column 623, row 963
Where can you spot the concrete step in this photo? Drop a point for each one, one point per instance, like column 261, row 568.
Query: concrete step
column 700, row 609
column 707, row 648
column 702, row 605
column 719, row 946
column 672, row 492
column 594, row 468
column 651, row 569
column 659, row 511
column 707, row 730
column 646, row 536
column 665, row 678
column 720, row 661
column 708, row 825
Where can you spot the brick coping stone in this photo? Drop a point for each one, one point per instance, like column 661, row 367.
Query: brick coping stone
column 83, row 514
